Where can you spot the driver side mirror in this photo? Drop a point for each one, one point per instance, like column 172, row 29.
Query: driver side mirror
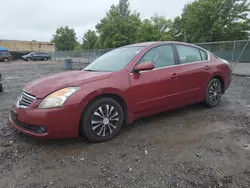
column 144, row 67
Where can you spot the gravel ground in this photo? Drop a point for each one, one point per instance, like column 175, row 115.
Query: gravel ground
column 188, row 147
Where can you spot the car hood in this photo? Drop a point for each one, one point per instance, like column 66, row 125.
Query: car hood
column 46, row 85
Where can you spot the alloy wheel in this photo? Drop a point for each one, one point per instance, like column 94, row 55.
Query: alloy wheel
column 214, row 92
column 105, row 120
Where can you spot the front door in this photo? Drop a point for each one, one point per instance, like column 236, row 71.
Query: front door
column 158, row 88
column 34, row 56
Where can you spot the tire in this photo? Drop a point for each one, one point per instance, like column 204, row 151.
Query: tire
column 45, row 59
column 213, row 93
column 98, row 129
column 28, row 59
column 5, row 60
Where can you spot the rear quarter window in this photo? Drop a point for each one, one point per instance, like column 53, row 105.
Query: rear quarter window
column 204, row 55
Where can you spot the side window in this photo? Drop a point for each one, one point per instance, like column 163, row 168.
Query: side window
column 188, row 54
column 6, row 53
column 161, row 56
column 204, row 55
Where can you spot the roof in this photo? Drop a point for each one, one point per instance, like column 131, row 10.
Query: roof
column 149, row 44
column 2, row 49
column 143, row 44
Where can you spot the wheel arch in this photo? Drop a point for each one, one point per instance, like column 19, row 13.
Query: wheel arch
column 114, row 96
column 220, row 78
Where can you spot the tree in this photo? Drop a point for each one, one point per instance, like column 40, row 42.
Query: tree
column 216, row 20
column 119, row 26
column 90, row 40
column 177, row 31
column 157, row 28
column 146, row 32
column 65, row 38
column 161, row 23
column 78, row 47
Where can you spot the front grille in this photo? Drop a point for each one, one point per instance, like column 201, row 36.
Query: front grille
column 25, row 100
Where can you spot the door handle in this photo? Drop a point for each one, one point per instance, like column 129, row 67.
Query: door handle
column 207, row 67
column 174, row 75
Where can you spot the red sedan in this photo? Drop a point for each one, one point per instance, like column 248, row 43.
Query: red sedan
column 127, row 83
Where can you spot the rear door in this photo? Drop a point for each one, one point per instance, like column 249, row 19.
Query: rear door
column 194, row 72
column 158, row 88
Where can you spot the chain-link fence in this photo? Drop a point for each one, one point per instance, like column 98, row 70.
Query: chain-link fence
column 80, row 56
column 232, row 51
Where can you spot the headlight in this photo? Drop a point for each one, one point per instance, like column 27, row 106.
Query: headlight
column 57, row 98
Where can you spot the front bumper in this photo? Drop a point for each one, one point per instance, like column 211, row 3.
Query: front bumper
column 57, row 123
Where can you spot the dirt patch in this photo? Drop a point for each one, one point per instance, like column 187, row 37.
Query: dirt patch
column 188, row 147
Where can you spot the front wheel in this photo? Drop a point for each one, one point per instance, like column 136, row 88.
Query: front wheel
column 213, row 93
column 102, row 120
column 6, row 60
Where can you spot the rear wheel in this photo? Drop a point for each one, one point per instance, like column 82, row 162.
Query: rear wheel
column 45, row 59
column 102, row 120
column 213, row 93
column 6, row 60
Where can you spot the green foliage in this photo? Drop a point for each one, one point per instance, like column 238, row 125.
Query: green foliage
column 201, row 21
column 177, row 31
column 147, row 32
column 65, row 38
column 161, row 23
column 78, row 47
column 119, row 26
column 155, row 29
column 215, row 20
column 90, row 40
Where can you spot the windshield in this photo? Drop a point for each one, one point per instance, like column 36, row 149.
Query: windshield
column 114, row 60
column 30, row 54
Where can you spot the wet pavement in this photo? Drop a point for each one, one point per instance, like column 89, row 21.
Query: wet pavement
column 188, row 147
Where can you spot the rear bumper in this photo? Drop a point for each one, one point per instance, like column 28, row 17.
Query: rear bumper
column 57, row 123
column 227, row 81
